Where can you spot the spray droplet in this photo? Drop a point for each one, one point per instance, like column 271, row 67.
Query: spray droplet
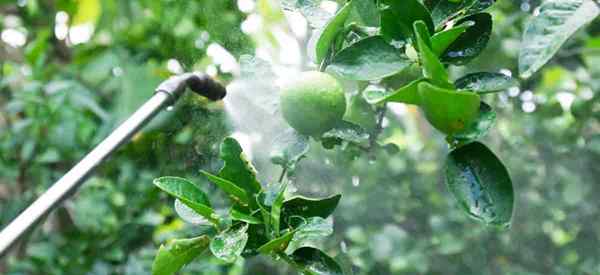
column 355, row 181
column 170, row 108
column 344, row 247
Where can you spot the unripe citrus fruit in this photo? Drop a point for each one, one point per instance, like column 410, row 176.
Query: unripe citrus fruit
column 449, row 111
column 313, row 103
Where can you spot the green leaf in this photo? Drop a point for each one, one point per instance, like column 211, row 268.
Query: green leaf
column 449, row 111
column 331, row 31
column 315, row 262
column 277, row 245
column 88, row 12
column 398, row 17
column 308, row 207
column 408, row 94
column 433, row 69
column 243, row 217
column 549, row 30
column 236, row 193
column 276, row 210
column 442, row 40
column 368, row 59
column 346, row 131
column 472, row 42
column 484, row 82
column 238, row 169
column 366, row 13
column 479, row 127
column 311, row 9
column 177, row 253
column 310, row 234
column 361, row 113
column 481, row 184
column 289, row 148
column 188, row 214
column 444, row 11
column 257, row 237
column 229, row 244
column 188, row 193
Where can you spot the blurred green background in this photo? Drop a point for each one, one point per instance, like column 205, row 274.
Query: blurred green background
column 70, row 71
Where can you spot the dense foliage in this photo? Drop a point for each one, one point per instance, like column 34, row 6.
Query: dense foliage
column 61, row 94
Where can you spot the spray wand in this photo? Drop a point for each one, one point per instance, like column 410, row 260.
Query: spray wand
column 166, row 94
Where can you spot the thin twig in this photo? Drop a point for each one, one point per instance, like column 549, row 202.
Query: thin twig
column 283, row 173
column 381, row 110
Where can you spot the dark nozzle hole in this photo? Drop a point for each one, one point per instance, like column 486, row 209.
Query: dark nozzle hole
column 207, row 87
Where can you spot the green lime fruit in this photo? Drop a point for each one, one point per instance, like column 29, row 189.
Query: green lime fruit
column 313, row 103
column 449, row 111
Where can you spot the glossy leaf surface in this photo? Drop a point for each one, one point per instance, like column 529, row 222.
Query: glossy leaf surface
column 316, row 262
column 547, row 32
column 331, row 31
column 177, row 253
column 480, row 184
column 485, row 82
column 398, row 17
column 368, row 59
column 449, row 111
column 228, row 245
column 472, row 42
column 188, row 193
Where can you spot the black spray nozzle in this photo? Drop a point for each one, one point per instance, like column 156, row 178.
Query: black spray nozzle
column 199, row 83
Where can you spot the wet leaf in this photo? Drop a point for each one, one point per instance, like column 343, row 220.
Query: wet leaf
column 481, row 184
column 289, row 148
column 311, row 9
column 238, row 169
column 368, row 59
column 484, row 82
column 177, row 253
column 237, row 215
column 408, row 94
column 331, row 31
column 549, row 30
column 472, row 42
column 188, row 214
column 447, row 10
column 236, row 193
column 479, row 127
column 229, row 244
column 361, row 113
column 309, row 207
column 277, row 244
column 188, row 193
column 316, row 262
column 346, row 131
column 398, row 17
column 449, row 111
column 442, row 40
column 310, row 234
column 366, row 13
column 433, row 69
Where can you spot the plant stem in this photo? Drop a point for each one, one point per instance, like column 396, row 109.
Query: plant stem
column 283, row 173
column 381, row 110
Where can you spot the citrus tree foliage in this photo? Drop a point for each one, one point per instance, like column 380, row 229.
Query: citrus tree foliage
column 57, row 100
column 269, row 221
column 547, row 31
column 424, row 39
